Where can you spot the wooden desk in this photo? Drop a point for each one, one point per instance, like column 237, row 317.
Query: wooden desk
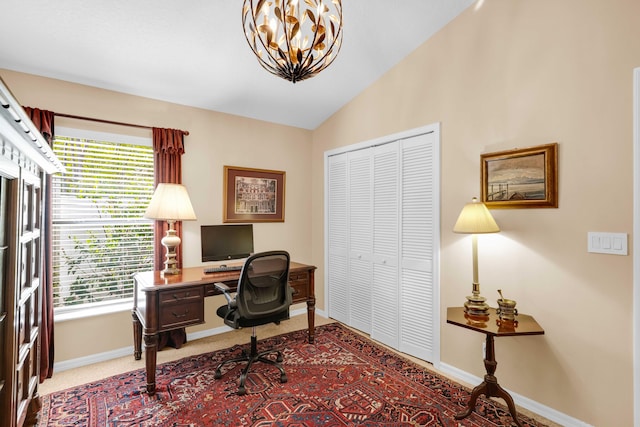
column 492, row 327
column 164, row 303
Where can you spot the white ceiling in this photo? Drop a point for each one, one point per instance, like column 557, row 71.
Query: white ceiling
column 194, row 52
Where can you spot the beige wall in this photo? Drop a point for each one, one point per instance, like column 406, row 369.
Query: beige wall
column 513, row 73
column 518, row 73
column 214, row 140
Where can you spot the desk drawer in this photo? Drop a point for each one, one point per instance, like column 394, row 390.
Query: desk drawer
column 181, row 296
column 299, row 281
column 179, row 315
column 180, row 307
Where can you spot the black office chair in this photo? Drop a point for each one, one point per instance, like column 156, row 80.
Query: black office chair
column 263, row 296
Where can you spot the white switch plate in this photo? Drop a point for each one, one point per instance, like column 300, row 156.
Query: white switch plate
column 607, row 243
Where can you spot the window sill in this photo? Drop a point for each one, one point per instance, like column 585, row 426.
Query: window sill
column 83, row 313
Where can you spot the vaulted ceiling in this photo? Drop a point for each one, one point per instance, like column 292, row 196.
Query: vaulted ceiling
column 195, row 53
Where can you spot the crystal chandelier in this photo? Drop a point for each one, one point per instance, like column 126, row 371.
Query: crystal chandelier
column 291, row 40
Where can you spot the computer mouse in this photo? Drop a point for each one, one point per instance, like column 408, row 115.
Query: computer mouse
column 223, row 265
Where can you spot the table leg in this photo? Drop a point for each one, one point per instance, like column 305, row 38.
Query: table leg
column 150, row 354
column 137, row 336
column 311, row 318
column 490, row 386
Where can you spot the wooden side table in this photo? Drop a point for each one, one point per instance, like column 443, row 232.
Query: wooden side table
column 492, row 327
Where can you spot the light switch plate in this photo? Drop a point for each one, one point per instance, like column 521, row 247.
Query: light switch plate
column 607, row 243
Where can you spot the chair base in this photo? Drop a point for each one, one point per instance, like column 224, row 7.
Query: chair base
column 250, row 358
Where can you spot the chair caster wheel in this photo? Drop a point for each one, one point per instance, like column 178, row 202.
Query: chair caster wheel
column 279, row 359
column 283, row 378
column 241, row 391
column 217, row 375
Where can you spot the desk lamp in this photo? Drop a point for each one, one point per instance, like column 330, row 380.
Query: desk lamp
column 170, row 203
column 475, row 219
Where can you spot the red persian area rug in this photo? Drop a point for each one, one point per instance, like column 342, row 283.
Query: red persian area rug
column 343, row 379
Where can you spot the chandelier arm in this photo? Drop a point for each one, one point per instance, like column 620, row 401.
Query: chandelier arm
column 266, row 65
column 287, row 40
column 333, row 43
column 333, row 56
column 315, row 36
column 320, row 66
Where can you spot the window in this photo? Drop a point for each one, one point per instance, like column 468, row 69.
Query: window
column 99, row 234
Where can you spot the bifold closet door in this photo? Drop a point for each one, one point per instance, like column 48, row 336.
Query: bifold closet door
column 337, row 274
column 382, row 221
column 350, row 244
column 385, row 233
column 403, row 236
column 418, row 228
column 360, row 243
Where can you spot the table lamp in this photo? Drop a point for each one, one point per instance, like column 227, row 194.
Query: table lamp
column 170, row 203
column 475, row 219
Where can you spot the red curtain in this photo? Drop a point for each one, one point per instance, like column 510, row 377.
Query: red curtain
column 168, row 147
column 43, row 120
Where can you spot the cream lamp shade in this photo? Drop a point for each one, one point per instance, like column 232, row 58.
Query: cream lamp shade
column 171, row 203
column 475, row 219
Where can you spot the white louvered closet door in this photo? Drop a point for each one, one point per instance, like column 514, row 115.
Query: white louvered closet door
column 360, row 242
column 383, row 223
column 418, row 225
column 385, row 232
column 338, row 255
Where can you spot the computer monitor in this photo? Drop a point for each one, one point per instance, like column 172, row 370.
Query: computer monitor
column 225, row 242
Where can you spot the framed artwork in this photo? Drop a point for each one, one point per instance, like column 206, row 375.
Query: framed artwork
column 253, row 195
column 521, row 178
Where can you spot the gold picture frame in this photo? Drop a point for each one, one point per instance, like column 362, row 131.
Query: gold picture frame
column 253, row 195
column 520, row 178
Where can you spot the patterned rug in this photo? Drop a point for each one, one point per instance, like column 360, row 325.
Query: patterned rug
column 342, row 380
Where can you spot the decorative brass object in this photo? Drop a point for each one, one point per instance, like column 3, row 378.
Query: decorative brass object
column 479, row 321
column 291, row 40
column 506, row 310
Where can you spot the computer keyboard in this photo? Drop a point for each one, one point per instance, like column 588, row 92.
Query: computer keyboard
column 222, row 268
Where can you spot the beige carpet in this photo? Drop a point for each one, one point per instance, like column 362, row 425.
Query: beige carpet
column 90, row 373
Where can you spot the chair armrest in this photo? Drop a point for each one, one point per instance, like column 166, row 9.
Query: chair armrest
column 226, row 291
column 221, row 287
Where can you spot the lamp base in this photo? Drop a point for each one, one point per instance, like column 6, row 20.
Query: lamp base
column 170, row 241
column 476, row 306
column 168, row 271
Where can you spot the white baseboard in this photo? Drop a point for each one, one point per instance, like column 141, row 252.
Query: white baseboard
column 525, row 402
column 94, row 358
column 128, row 351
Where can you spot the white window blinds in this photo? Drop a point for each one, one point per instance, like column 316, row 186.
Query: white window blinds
column 99, row 235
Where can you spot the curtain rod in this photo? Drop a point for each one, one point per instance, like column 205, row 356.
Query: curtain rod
column 71, row 116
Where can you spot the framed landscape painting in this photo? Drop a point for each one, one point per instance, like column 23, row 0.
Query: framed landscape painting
column 253, row 195
column 521, row 178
